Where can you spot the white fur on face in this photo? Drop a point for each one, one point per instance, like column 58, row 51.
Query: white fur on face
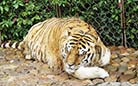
column 70, row 69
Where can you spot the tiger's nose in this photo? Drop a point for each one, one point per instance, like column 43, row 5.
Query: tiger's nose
column 71, row 66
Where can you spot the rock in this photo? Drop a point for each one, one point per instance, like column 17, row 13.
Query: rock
column 111, row 68
column 134, row 85
column 17, row 61
column 114, row 84
column 127, row 77
column 113, row 48
column 124, row 54
column 23, row 69
column 118, row 60
column 2, row 57
column 16, row 71
column 134, row 80
column 2, row 75
column 97, row 81
column 121, row 47
column 123, row 51
column 135, row 54
column 109, row 84
column 44, row 69
column 115, row 65
column 126, row 84
column 88, row 82
column 132, row 72
column 114, row 56
column 132, row 63
column 125, row 59
column 130, row 50
column 113, row 77
column 123, row 67
column 137, row 72
column 34, row 71
column 73, row 83
column 8, row 66
column 64, row 76
column 3, row 62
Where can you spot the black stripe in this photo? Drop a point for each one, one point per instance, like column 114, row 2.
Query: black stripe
column 88, row 40
column 88, row 49
column 79, row 35
column 86, row 60
column 4, row 44
column 93, row 36
column 75, row 37
column 98, row 50
column 82, row 46
column 73, row 40
column 92, row 56
column 11, row 43
column 82, row 41
column 17, row 44
column 88, row 37
column 89, row 54
column 72, row 43
column 70, row 28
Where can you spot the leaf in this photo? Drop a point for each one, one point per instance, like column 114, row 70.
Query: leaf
column 3, row 2
column 21, row 4
column 6, row 8
column 116, row 18
column 1, row 9
column 36, row 17
column 131, row 36
column 133, row 30
column 15, row 6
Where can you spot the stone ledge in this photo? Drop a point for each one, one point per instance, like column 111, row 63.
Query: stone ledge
column 16, row 71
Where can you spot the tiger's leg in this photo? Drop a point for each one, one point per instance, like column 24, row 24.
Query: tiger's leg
column 90, row 72
column 27, row 54
column 106, row 58
column 28, row 57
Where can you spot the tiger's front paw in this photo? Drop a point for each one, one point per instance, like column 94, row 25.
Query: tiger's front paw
column 91, row 72
column 105, row 59
column 102, row 73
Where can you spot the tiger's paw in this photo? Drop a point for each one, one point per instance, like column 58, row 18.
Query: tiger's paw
column 102, row 73
column 91, row 72
column 28, row 57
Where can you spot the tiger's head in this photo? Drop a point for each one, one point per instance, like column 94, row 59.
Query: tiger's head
column 83, row 50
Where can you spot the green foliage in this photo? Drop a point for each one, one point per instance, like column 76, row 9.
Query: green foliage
column 132, row 22
column 17, row 16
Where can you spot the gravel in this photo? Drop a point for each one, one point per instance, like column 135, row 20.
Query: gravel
column 16, row 71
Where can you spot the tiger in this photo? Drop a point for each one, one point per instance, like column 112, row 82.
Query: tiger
column 67, row 44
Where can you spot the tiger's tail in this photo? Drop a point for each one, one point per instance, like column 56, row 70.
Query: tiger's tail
column 15, row 45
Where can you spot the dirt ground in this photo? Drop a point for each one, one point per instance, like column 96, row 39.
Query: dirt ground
column 16, row 71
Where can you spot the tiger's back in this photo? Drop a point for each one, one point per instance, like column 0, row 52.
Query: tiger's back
column 48, row 37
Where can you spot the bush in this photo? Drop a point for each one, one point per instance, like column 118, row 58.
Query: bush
column 17, row 16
